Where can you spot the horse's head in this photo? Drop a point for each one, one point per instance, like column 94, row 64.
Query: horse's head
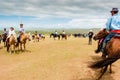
column 101, row 34
column 51, row 35
column 26, row 36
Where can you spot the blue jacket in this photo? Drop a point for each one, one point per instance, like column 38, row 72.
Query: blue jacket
column 113, row 23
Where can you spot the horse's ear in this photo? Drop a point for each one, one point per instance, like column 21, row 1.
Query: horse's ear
column 104, row 29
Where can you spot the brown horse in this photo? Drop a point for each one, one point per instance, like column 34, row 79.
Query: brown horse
column 113, row 52
column 41, row 36
column 35, row 37
column 63, row 36
column 11, row 44
column 23, row 38
column 4, row 37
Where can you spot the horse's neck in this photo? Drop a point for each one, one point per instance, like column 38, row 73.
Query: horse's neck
column 12, row 38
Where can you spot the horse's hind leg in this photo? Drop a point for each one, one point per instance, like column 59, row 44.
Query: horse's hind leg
column 110, row 68
column 24, row 47
column 104, row 70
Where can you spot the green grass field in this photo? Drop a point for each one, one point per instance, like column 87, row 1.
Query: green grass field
column 68, row 31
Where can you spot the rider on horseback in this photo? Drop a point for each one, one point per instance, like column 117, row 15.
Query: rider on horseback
column 21, row 31
column 63, row 32
column 11, row 32
column 5, row 31
column 56, row 33
column 4, row 36
column 113, row 26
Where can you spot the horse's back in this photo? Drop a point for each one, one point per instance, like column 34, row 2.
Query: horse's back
column 113, row 45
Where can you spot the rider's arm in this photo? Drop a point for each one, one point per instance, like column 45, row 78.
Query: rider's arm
column 108, row 24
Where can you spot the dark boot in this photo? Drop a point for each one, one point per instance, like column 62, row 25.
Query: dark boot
column 99, row 48
column 104, row 53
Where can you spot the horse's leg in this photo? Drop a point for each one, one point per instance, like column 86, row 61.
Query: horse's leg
column 4, row 44
column 24, row 46
column 21, row 46
column 66, row 38
column 104, row 70
column 110, row 68
column 8, row 46
column 58, row 38
column 18, row 46
column 14, row 48
column 10, row 49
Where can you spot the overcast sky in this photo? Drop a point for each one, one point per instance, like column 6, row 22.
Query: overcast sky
column 39, row 14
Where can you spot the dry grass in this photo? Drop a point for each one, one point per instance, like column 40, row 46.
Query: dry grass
column 53, row 60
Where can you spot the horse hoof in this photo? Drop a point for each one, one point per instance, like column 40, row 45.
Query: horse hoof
column 110, row 72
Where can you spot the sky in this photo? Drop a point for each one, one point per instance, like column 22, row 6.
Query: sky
column 42, row 14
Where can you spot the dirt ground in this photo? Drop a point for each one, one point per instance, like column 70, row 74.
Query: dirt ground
column 54, row 60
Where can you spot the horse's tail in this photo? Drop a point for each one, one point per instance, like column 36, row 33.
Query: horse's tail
column 107, row 61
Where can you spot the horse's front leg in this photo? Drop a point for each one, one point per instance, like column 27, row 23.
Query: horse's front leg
column 14, row 48
column 21, row 46
column 18, row 46
column 10, row 49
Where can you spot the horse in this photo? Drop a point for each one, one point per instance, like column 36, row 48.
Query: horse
column 42, row 36
column 23, row 38
column 4, row 37
column 64, row 36
column 11, row 43
column 113, row 52
column 36, row 37
column 76, row 35
column 54, row 36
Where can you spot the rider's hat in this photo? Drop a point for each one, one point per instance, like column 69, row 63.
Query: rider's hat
column 11, row 28
column 114, row 10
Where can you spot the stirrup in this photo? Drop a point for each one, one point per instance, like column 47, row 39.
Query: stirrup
column 103, row 56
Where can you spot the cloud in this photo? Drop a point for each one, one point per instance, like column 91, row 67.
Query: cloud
column 77, row 12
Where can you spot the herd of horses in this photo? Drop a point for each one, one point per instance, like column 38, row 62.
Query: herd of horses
column 37, row 37
column 62, row 36
column 112, row 47
column 11, row 44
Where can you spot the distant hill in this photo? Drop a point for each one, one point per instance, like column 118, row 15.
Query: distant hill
column 69, row 31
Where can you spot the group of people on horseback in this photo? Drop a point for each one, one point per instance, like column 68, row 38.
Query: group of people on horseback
column 11, row 33
column 62, row 35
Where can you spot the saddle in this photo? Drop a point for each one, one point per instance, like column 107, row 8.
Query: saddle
column 117, row 35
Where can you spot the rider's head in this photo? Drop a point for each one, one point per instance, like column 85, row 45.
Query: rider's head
column 114, row 11
column 4, row 29
column 21, row 25
column 11, row 28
